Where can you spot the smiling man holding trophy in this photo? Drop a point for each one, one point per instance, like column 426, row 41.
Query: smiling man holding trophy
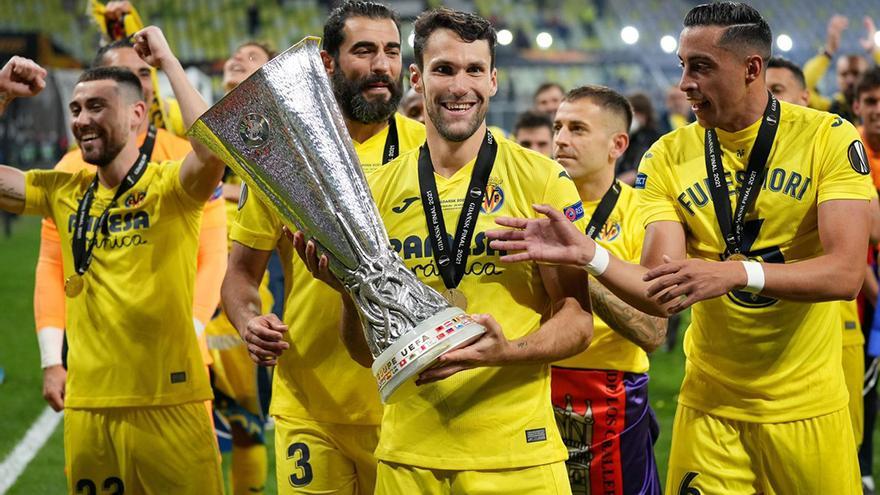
column 298, row 155
column 325, row 406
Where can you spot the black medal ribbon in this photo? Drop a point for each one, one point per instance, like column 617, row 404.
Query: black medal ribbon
column 82, row 253
column 732, row 226
column 603, row 210
column 392, row 143
column 452, row 259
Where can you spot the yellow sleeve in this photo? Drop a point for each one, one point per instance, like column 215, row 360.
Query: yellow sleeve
column 38, row 188
column 172, row 168
column 814, row 71
column 843, row 170
column 256, row 225
column 560, row 193
column 655, row 198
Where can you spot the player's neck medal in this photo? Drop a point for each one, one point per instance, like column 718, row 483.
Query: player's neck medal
column 452, row 257
column 732, row 226
column 455, row 298
column 82, row 248
column 73, row 285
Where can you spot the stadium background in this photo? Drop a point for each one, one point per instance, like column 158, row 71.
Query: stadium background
column 628, row 45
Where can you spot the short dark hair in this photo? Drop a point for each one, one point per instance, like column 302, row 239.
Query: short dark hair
column 545, row 86
column 745, row 25
column 124, row 78
column 98, row 61
column 870, row 80
column 262, row 45
column 606, row 98
column 532, row 119
column 333, row 28
column 469, row 27
column 784, row 63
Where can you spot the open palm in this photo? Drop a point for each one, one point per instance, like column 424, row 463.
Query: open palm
column 553, row 239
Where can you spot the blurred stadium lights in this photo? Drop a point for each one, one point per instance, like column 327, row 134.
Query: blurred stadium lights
column 668, row 43
column 544, row 40
column 411, row 39
column 505, row 37
column 784, row 42
column 629, row 35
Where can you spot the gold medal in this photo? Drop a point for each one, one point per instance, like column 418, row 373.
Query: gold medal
column 737, row 257
column 74, row 285
column 456, row 298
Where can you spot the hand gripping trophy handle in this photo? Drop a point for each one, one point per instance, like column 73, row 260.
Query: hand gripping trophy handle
column 282, row 132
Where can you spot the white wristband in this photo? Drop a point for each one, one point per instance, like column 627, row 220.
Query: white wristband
column 754, row 277
column 51, row 340
column 599, row 263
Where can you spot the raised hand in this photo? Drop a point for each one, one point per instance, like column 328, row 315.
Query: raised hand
column 836, row 26
column 21, row 78
column 553, row 239
column 151, row 46
column 868, row 42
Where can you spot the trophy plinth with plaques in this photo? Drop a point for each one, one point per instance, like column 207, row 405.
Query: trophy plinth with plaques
column 282, row 132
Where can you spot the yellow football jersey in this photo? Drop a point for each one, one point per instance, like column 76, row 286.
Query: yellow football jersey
column 485, row 418
column 622, row 235
column 316, row 378
column 410, row 135
column 852, row 327
column 751, row 357
column 130, row 330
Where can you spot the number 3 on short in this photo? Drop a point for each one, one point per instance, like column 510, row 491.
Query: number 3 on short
column 303, row 474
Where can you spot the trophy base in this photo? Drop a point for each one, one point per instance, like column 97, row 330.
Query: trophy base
column 398, row 366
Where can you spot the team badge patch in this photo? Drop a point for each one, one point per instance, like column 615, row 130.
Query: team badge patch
column 574, row 212
column 242, row 198
column 135, row 199
column 494, row 197
column 858, row 157
column 641, row 181
column 609, row 232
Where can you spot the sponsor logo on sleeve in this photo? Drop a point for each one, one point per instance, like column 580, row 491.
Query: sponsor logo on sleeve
column 641, row 181
column 574, row 212
column 858, row 157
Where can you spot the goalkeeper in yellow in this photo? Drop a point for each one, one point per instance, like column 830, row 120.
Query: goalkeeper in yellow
column 757, row 215
column 135, row 419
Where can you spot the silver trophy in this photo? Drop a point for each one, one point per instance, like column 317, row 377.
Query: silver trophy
column 282, row 132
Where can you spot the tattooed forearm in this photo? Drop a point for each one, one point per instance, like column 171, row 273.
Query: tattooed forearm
column 11, row 189
column 644, row 330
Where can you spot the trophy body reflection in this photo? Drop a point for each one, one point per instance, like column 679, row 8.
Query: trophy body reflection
column 283, row 134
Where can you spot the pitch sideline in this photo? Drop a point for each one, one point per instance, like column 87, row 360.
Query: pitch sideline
column 24, row 452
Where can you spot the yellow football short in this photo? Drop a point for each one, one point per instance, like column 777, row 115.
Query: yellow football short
column 321, row 458
column 712, row 455
column 854, row 375
column 146, row 450
column 548, row 479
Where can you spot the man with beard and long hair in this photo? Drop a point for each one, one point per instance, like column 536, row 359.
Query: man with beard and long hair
column 481, row 421
column 134, row 415
column 326, row 408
